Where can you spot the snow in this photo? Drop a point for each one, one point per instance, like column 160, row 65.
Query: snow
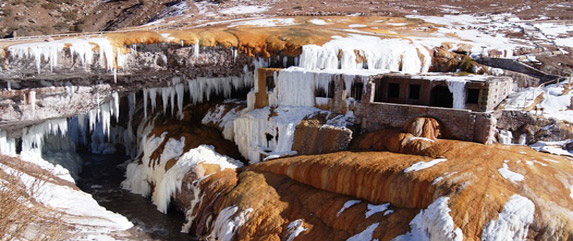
column 224, row 119
column 513, row 221
column 423, row 165
column 566, row 42
column 317, row 21
column 380, row 54
column 373, row 209
column 366, row 234
column 226, row 225
column 477, row 31
column 356, row 25
column 433, row 223
column 556, row 105
column 552, row 29
column 265, row 22
column 509, row 175
column 79, row 209
column 243, row 9
column 554, row 147
column 294, row 228
column 347, row 205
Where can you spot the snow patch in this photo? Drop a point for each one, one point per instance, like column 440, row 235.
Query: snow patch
column 423, row 165
column 513, row 222
column 366, row 234
column 373, row 209
column 509, row 175
column 433, row 223
column 347, row 205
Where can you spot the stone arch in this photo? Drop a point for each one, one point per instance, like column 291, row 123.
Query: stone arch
column 440, row 96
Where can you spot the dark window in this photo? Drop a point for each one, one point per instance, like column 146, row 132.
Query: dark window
column 414, row 92
column 270, row 83
column 441, row 96
column 393, row 90
column 473, row 96
column 320, row 92
column 356, row 91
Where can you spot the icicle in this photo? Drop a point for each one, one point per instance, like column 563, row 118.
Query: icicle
column 115, row 99
column 196, row 49
column 182, row 43
column 172, row 99
column 9, row 85
column 153, row 98
column 180, row 91
column 144, row 103
column 132, row 104
column 164, row 97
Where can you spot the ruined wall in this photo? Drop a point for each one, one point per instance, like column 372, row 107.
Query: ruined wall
column 454, row 123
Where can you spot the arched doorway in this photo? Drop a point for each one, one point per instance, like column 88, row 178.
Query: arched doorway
column 440, row 96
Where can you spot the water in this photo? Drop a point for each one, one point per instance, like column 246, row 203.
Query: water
column 102, row 177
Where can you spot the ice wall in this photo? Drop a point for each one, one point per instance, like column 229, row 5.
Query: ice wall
column 458, row 88
column 380, row 54
column 199, row 90
column 7, row 144
column 296, row 86
column 268, row 132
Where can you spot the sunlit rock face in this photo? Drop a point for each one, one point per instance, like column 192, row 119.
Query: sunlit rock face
column 398, row 196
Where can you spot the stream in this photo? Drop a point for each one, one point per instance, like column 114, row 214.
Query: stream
column 101, row 177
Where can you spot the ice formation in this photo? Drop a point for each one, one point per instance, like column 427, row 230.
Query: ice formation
column 513, row 222
column 381, row 54
column 7, row 144
column 296, row 86
column 423, row 165
column 200, row 90
column 225, row 226
column 433, row 223
column 225, row 119
column 458, row 89
column 366, row 234
column 167, row 180
column 294, row 229
column 258, row 133
column 81, row 49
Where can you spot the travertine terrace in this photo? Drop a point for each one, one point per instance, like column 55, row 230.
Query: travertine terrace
column 299, row 120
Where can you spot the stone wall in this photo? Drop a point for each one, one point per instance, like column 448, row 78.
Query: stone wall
column 454, row 123
column 492, row 90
